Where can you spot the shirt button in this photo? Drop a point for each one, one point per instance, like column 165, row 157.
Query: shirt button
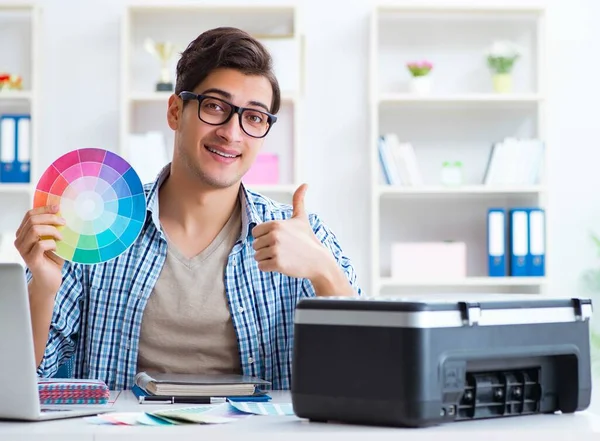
column 234, row 261
column 240, row 309
column 250, row 360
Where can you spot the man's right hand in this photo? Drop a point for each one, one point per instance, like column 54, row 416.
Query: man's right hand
column 35, row 240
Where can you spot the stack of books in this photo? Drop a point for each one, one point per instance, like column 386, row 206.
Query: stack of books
column 198, row 388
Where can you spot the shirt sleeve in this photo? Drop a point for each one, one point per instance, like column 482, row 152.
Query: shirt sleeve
column 66, row 318
column 328, row 238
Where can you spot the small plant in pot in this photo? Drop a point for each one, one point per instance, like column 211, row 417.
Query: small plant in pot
column 420, row 76
column 501, row 58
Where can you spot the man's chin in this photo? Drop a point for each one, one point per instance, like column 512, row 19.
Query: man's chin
column 214, row 178
column 219, row 182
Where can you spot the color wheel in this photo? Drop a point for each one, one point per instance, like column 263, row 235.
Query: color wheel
column 102, row 200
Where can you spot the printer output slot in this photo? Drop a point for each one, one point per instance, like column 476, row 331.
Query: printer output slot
column 500, row 393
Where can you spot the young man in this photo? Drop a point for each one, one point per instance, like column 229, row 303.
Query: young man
column 211, row 283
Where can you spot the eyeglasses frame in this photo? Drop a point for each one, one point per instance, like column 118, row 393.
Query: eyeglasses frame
column 188, row 96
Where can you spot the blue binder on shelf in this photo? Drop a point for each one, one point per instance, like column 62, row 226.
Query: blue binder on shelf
column 15, row 148
column 519, row 242
column 536, row 263
column 496, row 235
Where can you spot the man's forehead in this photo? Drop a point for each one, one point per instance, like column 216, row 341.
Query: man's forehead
column 241, row 89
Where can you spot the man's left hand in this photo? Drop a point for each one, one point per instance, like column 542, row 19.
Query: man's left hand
column 290, row 246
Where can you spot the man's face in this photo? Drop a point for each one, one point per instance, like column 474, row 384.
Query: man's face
column 219, row 155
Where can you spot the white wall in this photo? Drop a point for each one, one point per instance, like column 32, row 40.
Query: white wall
column 80, row 49
column 573, row 130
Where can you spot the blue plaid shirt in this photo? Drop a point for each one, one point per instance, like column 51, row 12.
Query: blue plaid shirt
column 98, row 309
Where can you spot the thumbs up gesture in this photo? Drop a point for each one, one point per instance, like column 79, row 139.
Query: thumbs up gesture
column 290, row 246
column 298, row 203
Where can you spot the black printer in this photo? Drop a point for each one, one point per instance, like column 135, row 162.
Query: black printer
column 417, row 362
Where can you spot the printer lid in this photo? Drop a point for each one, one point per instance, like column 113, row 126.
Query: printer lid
column 445, row 310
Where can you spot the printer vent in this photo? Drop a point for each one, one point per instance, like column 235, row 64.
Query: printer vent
column 500, row 393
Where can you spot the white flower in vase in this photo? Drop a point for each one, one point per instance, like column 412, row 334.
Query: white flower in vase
column 501, row 57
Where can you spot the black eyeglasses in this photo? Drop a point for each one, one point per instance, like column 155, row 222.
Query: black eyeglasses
column 215, row 111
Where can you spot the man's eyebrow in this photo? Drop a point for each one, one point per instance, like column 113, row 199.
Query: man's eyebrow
column 228, row 96
column 217, row 91
column 259, row 104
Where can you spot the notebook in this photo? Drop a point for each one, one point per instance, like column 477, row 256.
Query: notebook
column 72, row 391
column 229, row 385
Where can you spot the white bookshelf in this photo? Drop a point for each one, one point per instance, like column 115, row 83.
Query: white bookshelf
column 458, row 99
column 465, row 282
column 144, row 109
column 19, row 34
column 460, row 191
column 16, row 95
column 458, row 120
column 10, row 188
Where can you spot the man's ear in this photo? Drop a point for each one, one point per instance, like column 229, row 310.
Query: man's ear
column 174, row 112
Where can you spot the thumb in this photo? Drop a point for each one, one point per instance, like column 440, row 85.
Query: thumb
column 298, row 201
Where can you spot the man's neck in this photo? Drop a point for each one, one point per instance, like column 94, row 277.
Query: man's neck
column 192, row 211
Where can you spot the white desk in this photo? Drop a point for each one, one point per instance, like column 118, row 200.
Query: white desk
column 580, row 426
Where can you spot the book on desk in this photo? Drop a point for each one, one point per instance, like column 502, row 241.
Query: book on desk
column 198, row 388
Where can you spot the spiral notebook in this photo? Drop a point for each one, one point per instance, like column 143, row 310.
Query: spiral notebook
column 72, row 391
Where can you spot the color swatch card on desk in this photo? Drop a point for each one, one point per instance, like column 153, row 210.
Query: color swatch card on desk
column 210, row 414
column 264, row 408
column 171, row 416
column 102, row 200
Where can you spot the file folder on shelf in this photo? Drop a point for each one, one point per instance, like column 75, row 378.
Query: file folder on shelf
column 496, row 232
column 537, row 242
column 15, row 149
column 519, row 242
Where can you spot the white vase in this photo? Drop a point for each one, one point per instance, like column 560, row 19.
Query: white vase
column 452, row 173
column 420, row 85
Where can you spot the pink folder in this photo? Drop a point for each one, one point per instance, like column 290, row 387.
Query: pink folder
column 264, row 171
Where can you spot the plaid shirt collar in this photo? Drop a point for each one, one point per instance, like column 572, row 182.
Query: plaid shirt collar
column 250, row 216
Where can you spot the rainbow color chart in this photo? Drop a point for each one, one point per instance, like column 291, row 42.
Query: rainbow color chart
column 102, row 200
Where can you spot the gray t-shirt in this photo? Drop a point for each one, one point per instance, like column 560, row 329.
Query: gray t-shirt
column 186, row 326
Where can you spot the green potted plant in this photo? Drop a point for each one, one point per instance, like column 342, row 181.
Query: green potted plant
column 420, row 76
column 501, row 58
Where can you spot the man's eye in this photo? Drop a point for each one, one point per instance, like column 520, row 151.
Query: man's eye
column 254, row 118
column 213, row 106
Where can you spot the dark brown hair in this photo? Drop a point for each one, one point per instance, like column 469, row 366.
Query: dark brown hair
column 225, row 47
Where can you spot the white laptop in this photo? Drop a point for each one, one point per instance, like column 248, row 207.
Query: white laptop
column 18, row 376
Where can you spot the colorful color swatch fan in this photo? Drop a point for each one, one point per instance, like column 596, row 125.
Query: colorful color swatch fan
column 102, row 200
